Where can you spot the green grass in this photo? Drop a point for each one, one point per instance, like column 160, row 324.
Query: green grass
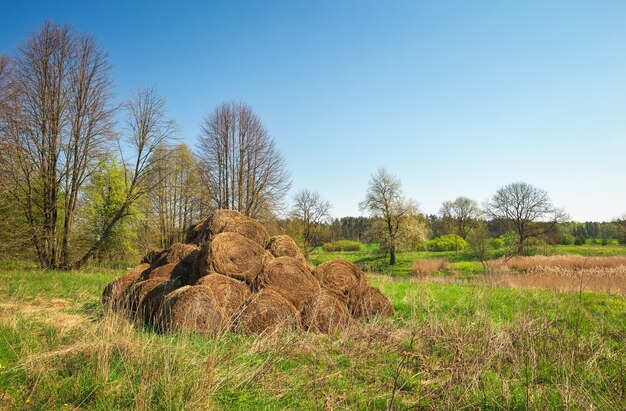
column 449, row 346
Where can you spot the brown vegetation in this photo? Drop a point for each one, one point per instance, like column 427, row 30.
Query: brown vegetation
column 267, row 311
column 233, row 282
column 193, row 309
column 289, row 278
column 230, row 293
column 232, row 255
column 343, row 279
column 325, row 313
column 429, row 266
column 284, row 246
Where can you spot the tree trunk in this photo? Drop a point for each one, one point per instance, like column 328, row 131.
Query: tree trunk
column 392, row 252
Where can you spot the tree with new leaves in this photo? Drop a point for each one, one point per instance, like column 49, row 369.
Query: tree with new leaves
column 310, row 210
column 148, row 128
column 525, row 210
column 385, row 201
column 241, row 167
column 460, row 215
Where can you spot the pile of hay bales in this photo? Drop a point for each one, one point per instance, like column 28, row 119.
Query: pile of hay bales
column 231, row 276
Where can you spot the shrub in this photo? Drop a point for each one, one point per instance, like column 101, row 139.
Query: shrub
column 342, row 245
column 449, row 242
column 429, row 266
column 579, row 241
column 497, row 243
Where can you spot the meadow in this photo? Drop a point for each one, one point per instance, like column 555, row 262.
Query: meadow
column 468, row 341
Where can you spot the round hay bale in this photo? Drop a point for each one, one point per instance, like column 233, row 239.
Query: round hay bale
column 284, row 246
column 116, row 293
column 178, row 253
column 232, row 255
column 152, row 302
column 152, row 256
column 180, row 272
column 230, row 293
column 267, row 311
column 197, row 233
column 193, row 309
column 325, row 313
column 290, row 278
column 345, row 280
column 230, row 221
column 372, row 303
column 138, row 293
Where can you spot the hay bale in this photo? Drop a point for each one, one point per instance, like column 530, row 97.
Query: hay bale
column 116, row 293
column 290, row 278
column 193, row 309
column 197, row 233
column 230, row 221
column 144, row 299
column 345, row 280
column 152, row 303
column 178, row 253
column 180, row 272
column 232, row 255
column 284, row 246
column 230, row 293
column 372, row 303
column 267, row 311
column 152, row 256
column 325, row 313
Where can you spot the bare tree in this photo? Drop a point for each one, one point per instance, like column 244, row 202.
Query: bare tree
column 149, row 128
column 241, row 167
column 55, row 120
column 461, row 213
column 525, row 210
column 90, row 127
column 384, row 200
column 310, row 210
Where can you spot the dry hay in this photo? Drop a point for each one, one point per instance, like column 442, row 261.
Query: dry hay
column 230, row 293
column 290, row 278
column 197, row 233
column 284, row 246
column 267, row 311
column 325, row 313
column 232, row 255
column 230, row 221
column 116, row 293
column 177, row 253
column 152, row 256
column 372, row 303
column 147, row 297
column 343, row 279
column 179, row 272
column 193, row 309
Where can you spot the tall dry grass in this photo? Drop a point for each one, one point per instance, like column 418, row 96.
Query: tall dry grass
column 571, row 262
column 561, row 273
column 429, row 266
column 611, row 280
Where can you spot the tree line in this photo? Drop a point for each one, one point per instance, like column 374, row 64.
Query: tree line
column 84, row 177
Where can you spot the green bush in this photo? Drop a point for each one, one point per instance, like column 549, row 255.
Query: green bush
column 342, row 245
column 449, row 242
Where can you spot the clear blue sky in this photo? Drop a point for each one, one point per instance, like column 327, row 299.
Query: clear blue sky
column 455, row 98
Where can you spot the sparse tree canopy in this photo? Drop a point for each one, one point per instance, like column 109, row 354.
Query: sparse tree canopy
column 384, row 200
column 56, row 121
column 526, row 210
column 310, row 210
column 460, row 214
column 241, row 167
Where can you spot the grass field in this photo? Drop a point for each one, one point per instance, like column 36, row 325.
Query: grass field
column 450, row 346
